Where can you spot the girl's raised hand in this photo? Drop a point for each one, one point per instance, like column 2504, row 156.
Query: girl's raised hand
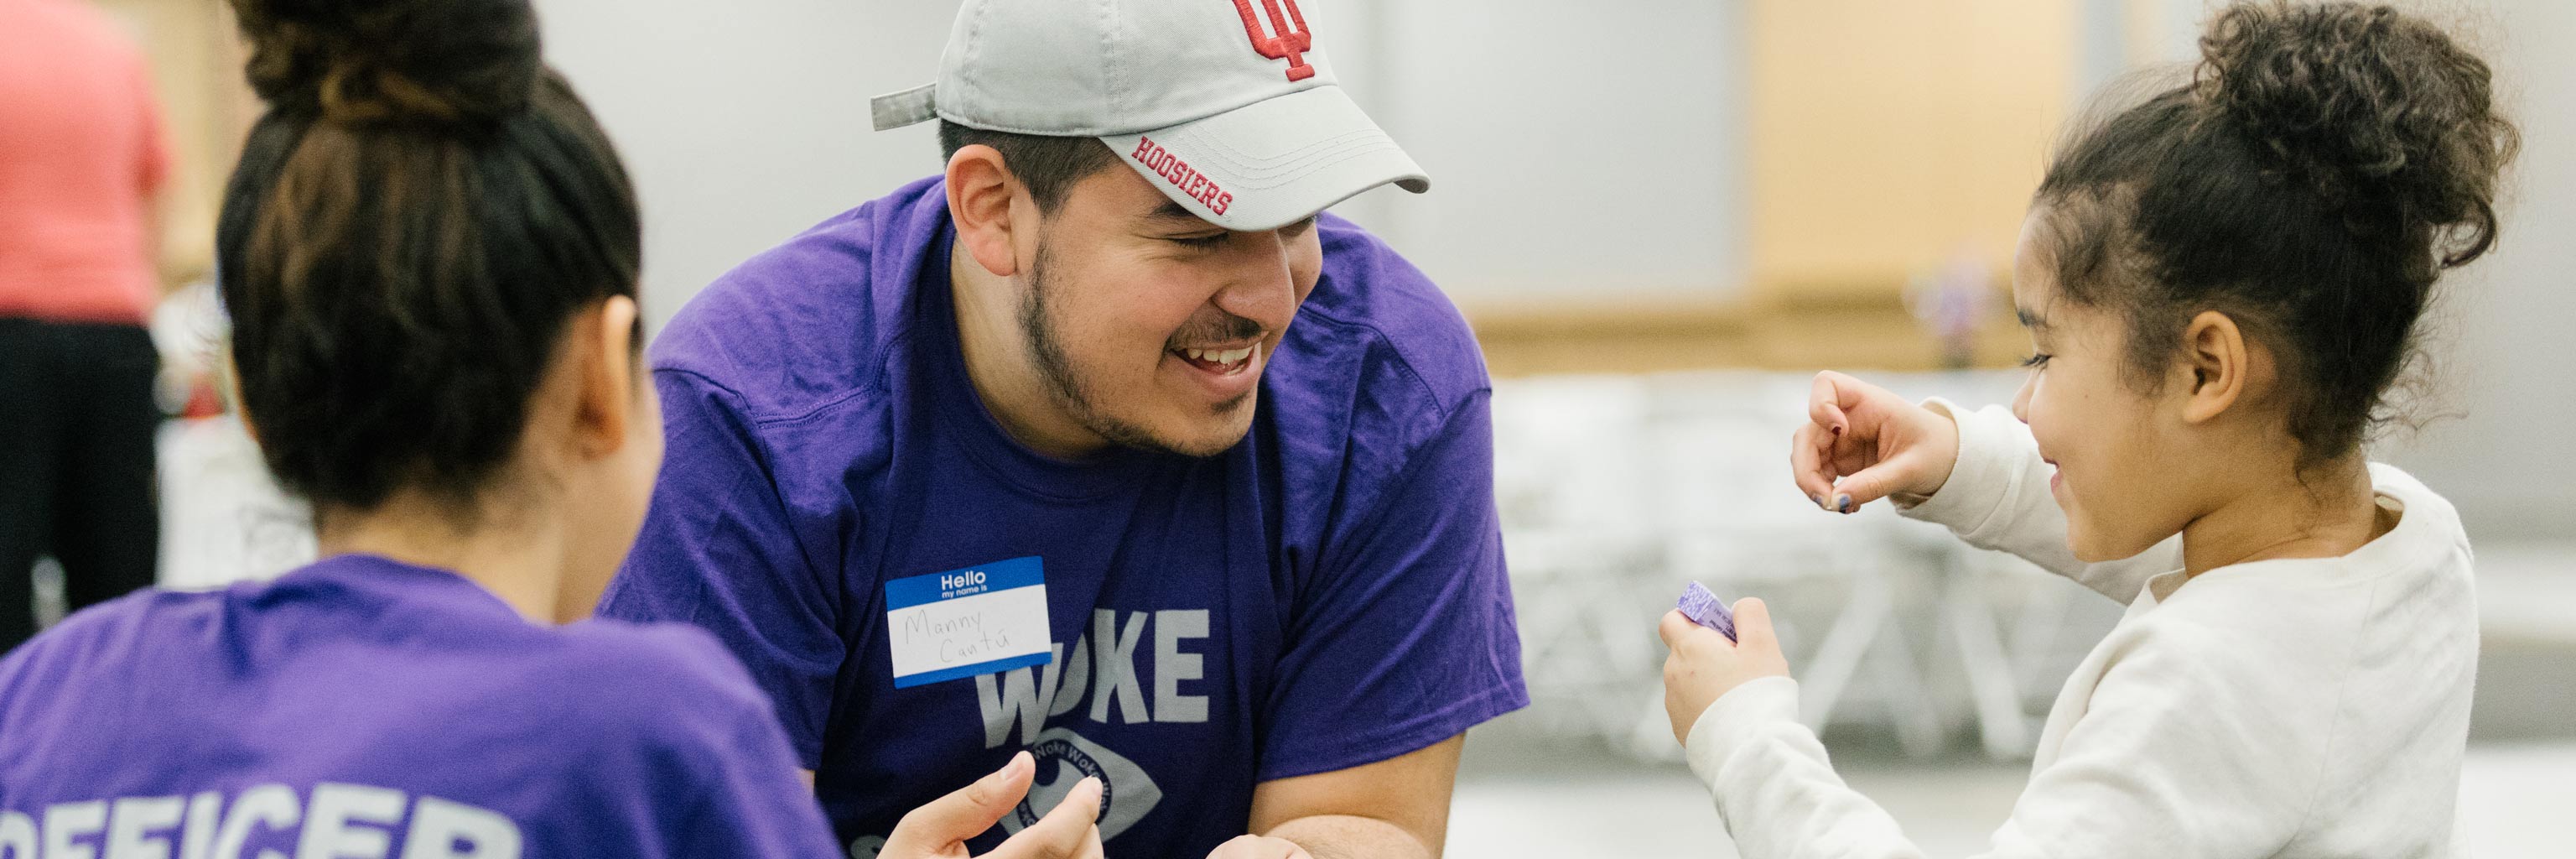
column 1862, row 443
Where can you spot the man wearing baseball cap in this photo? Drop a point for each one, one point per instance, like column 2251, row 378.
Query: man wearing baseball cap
column 1108, row 444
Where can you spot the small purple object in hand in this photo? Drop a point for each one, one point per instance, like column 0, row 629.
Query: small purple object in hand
column 1707, row 610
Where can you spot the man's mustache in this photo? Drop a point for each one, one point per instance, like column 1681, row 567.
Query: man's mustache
column 1226, row 328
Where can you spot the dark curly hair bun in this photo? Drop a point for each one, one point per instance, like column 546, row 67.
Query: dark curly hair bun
column 2380, row 113
column 415, row 220
column 430, row 62
column 2326, row 164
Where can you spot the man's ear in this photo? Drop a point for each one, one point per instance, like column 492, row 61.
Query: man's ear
column 605, row 338
column 2217, row 366
column 982, row 202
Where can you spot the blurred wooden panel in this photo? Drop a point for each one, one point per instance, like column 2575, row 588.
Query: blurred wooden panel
column 1888, row 138
column 1846, row 327
column 1887, row 142
column 207, row 108
column 1523, row 339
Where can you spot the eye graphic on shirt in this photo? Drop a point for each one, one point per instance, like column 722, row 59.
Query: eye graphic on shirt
column 1063, row 759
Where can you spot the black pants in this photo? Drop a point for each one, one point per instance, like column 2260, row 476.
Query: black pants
column 77, row 421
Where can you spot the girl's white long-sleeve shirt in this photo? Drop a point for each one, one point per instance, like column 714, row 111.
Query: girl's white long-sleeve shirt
column 2283, row 708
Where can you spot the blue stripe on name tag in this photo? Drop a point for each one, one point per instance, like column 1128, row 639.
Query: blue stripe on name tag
column 972, row 670
column 965, row 582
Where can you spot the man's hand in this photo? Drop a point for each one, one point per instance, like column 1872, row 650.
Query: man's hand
column 939, row 830
column 1397, row 808
column 1258, row 847
column 1705, row 666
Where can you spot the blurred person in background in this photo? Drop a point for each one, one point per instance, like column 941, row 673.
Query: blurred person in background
column 83, row 160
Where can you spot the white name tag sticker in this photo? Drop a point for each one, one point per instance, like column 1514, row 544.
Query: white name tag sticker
column 961, row 623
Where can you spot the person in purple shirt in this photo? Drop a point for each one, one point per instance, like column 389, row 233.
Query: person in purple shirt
column 1107, row 445
column 429, row 252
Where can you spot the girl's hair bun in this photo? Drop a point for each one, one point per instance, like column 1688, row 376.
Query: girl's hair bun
column 425, row 62
column 2374, row 110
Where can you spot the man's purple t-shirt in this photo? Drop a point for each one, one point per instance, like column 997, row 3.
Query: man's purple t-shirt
column 1328, row 593
column 363, row 707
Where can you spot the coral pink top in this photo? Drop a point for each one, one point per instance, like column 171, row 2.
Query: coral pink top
column 82, row 154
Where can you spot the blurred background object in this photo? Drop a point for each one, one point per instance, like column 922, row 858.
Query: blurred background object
column 85, row 164
column 1662, row 217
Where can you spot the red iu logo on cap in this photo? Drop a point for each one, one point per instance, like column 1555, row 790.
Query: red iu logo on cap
column 1290, row 43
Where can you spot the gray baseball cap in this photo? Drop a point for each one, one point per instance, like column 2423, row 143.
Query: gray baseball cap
column 1227, row 106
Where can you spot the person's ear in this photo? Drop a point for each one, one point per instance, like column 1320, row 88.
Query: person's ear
column 605, row 342
column 2217, row 366
column 984, row 203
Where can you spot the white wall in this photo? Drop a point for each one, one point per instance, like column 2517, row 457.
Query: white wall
column 1570, row 144
column 745, row 123
column 1574, row 147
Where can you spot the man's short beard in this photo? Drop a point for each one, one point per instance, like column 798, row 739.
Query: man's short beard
column 1069, row 389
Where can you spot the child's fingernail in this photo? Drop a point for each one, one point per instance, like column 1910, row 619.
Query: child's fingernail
column 1842, row 503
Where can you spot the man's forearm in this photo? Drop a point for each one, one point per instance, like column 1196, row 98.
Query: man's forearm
column 1346, row 836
